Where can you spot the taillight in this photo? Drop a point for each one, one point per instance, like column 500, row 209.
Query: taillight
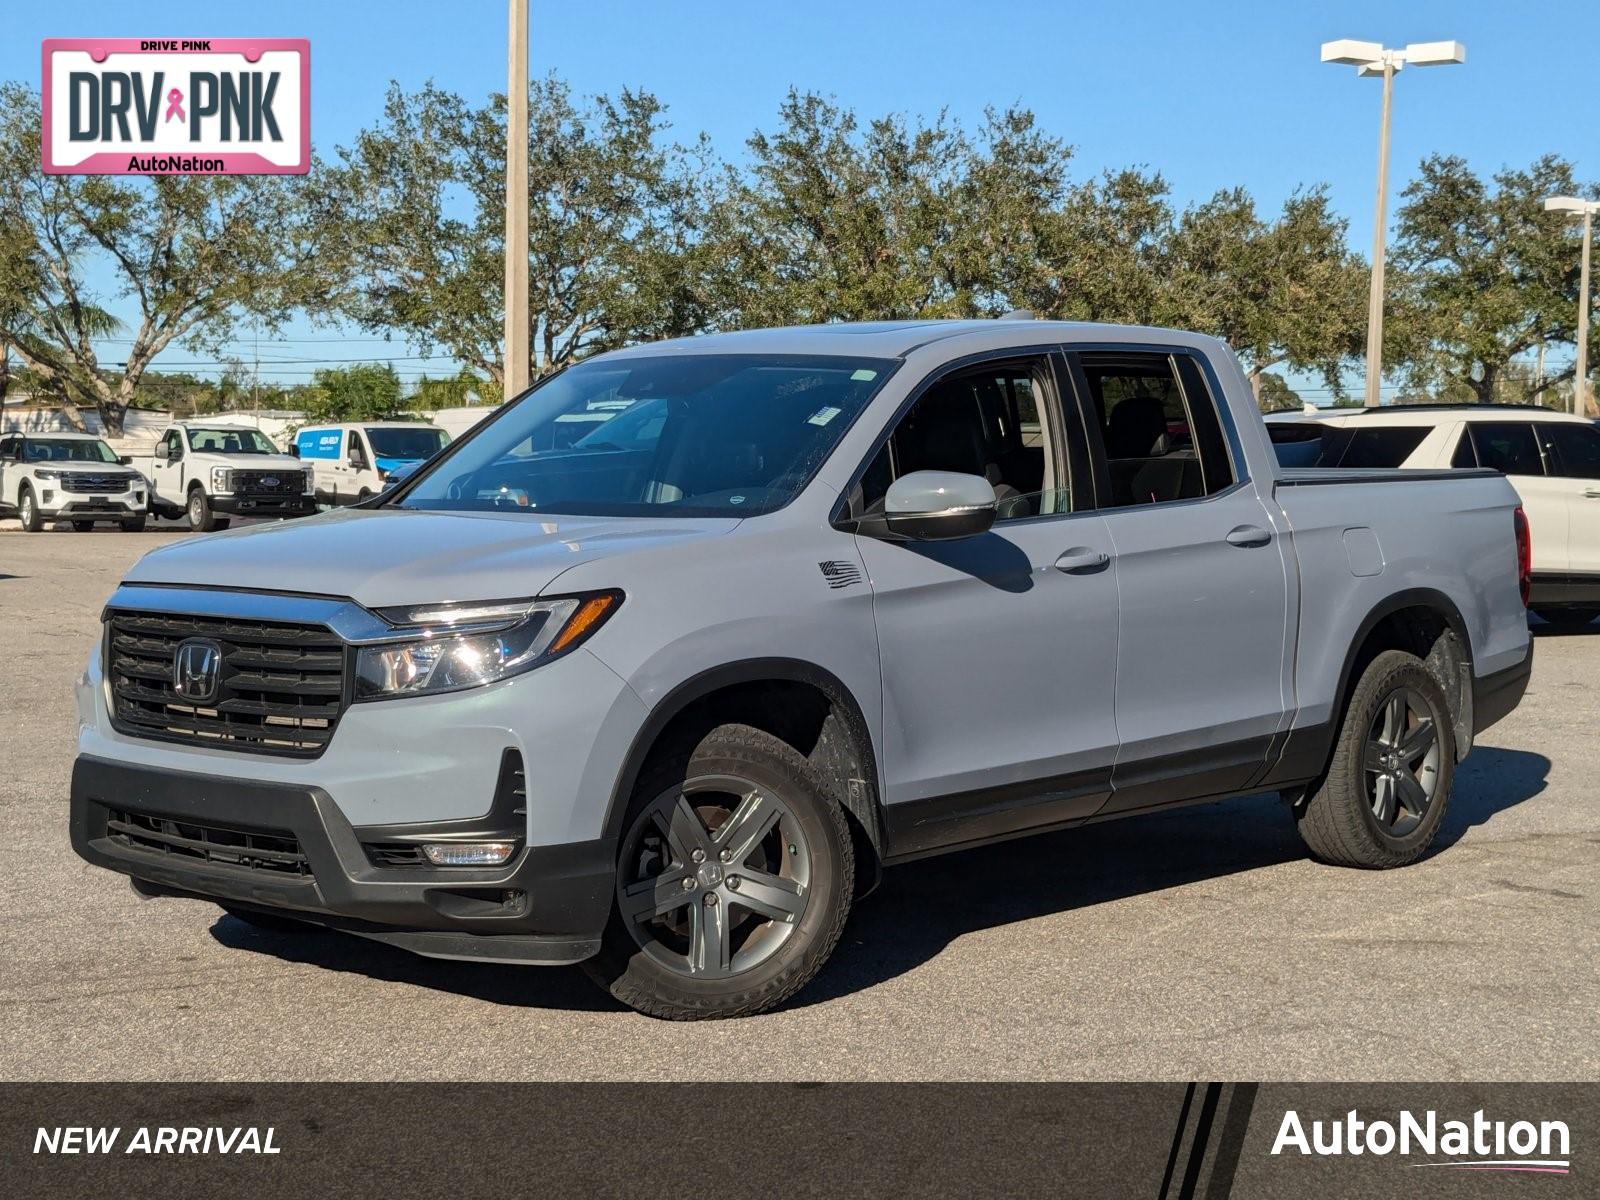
column 1524, row 554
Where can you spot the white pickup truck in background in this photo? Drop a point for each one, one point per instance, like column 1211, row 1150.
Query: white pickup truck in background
column 48, row 477
column 211, row 472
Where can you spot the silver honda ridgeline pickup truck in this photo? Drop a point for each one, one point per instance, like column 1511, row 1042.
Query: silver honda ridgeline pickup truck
column 656, row 668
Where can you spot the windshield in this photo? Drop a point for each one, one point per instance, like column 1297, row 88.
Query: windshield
column 89, row 450
column 231, row 441
column 418, row 441
column 680, row 435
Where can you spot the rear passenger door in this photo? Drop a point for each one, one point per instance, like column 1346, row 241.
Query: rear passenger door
column 1202, row 589
column 1513, row 449
column 998, row 651
column 1572, row 457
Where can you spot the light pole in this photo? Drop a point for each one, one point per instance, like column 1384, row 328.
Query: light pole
column 1580, row 381
column 516, row 328
column 1371, row 58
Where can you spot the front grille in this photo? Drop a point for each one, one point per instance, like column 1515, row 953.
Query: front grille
column 277, row 851
column 268, row 483
column 80, row 484
column 281, row 687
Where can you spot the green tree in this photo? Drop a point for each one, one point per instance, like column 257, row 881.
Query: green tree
column 453, row 391
column 1486, row 276
column 191, row 253
column 1274, row 394
column 1280, row 292
column 364, row 392
column 414, row 217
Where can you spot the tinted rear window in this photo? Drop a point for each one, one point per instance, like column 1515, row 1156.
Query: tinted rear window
column 1508, row 447
column 1371, row 446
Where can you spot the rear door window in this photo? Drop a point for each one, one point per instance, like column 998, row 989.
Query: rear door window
column 1508, row 446
column 1573, row 450
column 1159, row 429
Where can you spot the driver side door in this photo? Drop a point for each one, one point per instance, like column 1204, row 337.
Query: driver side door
column 998, row 651
column 166, row 468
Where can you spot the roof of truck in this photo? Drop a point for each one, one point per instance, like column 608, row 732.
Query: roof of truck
column 895, row 339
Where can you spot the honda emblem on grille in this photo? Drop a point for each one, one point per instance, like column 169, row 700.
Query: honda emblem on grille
column 197, row 670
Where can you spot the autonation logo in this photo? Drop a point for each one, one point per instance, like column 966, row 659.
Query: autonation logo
column 1476, row 1145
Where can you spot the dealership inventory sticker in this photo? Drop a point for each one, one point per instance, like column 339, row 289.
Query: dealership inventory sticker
column 166, row 106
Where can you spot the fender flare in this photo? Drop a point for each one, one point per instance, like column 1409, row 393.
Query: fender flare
column 867, row 810
column 1305, row 752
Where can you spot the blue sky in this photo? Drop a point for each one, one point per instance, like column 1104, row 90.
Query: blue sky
column 1212, row 95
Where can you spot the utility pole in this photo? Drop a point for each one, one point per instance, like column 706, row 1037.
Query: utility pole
column 1380, row 234
column 515, row 355
column 1371, row 58
column 1588, row 208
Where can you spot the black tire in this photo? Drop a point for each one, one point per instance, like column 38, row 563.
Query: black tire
column 134, row 524
column 1343, row 820
column 83, row 526
column 28, row 511
column 1568, row 618
column 809, row 839
column 269, row 922
column 202, row 517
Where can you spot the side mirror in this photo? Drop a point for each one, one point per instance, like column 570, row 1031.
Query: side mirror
column 294, row 449
column 125, row 459
column 929, row 506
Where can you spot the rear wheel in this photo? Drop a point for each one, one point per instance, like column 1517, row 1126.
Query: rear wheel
column 734, row 880
column 1386, row 790
column 28, row 511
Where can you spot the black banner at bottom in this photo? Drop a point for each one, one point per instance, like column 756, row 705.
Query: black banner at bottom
column 1167, row 1141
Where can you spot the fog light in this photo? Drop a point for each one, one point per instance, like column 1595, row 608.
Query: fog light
column 468, row 854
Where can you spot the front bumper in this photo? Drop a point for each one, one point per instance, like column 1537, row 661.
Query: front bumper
column 548, row 906
column 64, row 505
column 264, row 506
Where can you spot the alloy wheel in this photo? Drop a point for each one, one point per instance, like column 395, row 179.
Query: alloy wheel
column 715, row 876
column 1401, row 761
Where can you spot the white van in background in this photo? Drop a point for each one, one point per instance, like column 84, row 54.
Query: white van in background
column 351, row 462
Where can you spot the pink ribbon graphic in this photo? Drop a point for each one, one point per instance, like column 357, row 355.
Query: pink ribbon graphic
column 175, row 105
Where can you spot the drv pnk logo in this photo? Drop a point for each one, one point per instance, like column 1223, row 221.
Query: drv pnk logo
column 150, row 106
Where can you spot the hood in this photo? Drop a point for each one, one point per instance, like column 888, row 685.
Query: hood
column 256, row 462
column 390, row 556
column 79, row 467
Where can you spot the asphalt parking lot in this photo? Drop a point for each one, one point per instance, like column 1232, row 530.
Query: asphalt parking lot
column 1198, row 944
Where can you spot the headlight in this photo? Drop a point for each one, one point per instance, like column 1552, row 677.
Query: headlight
column 309, row 485
column 466, row 645
column 221, row 479
column 45, row 473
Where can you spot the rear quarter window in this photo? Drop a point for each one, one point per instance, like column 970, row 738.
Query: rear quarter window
column 1372, row 446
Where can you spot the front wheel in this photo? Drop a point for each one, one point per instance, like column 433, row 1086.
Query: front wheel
column 202, row 517
column 133, row 524
column 28, row 512
column 83, row 526
column 734, row 880
column 1384, row 795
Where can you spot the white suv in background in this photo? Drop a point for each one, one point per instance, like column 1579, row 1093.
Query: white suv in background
column 47, row 477
column 1551, row 458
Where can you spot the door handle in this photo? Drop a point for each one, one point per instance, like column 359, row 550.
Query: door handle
column 1081, row 560
column 1248, row 535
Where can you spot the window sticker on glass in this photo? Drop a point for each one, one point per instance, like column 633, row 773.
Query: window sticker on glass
column 864, row 375
column 825, row 414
